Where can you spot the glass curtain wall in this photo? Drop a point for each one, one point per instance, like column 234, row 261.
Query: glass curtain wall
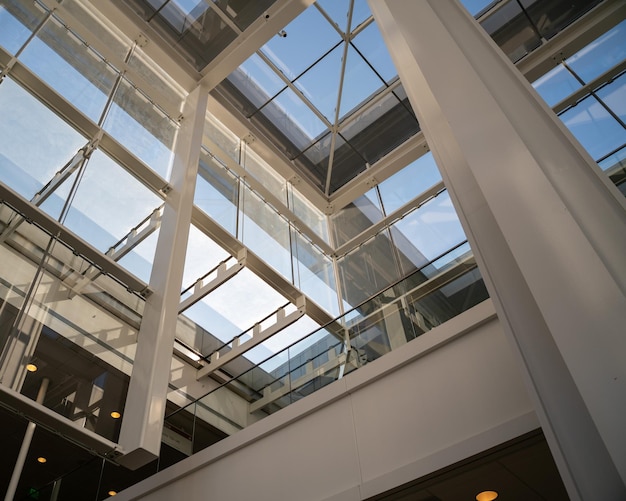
column 64, row 318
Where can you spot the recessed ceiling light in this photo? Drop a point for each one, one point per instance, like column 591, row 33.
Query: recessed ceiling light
column 486, row 496
column 115, row 415
column 31, row 367
column 41, row 459
column 112, row 493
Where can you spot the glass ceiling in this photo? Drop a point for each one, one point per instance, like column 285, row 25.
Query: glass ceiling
column 326, row 90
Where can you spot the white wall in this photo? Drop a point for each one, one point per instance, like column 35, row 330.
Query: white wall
column 447, row 395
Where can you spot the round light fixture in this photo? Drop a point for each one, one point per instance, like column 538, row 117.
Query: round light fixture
column 115, row 415
column 42, row 460
column 112, row 493
column 486, row 496
column 31, row 367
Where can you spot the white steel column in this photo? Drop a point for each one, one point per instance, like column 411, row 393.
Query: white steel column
column 142, row 425
column 547, row 227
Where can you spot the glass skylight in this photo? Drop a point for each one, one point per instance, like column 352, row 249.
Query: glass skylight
column 327, row 82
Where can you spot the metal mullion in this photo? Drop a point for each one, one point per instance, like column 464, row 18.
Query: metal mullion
column 225, row 17
column 289, row 84
column 371, row 103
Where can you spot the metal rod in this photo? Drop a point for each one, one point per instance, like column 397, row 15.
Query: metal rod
column 28, row 437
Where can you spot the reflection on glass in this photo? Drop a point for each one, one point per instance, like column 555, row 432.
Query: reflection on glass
column 17, row 21
column 243, row 13
column 109, row 202
column 594, row 127
column 266, row 233
column 356, row 217
column 427, row 232
column 78, row 327
column 601, row 55
column 256, row 80
column 156, row 78
column 314, row 274
column 217, row 193
column 71, row 68
column 34, row 142
column 294, row 118
column 511, row 30
column 368, row 269
column 226, row 141
column 263, row 173
column 142, row 128
column 399, row 189
column 309, row 214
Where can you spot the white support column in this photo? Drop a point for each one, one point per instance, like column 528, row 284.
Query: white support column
column 142, row 424
column 547, row 227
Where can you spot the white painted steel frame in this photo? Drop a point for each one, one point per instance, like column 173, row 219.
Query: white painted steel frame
column 547, row 227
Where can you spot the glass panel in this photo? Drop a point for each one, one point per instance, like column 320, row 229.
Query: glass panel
column 256, row 80
column 139, row 261
column 79, row 329
column 290, row 115
column 614, row 96
column 337, row 10
column 601, row 55
column 551, row 16
column 314, row 274
column 18, row 19
column 556, row 85
column 427, row 232
column 114, row 42
column 380, row 128
column 594, row 127
column 309, row 37
column 266, row 233
column 227, row 142
column 356, row 217
column 359, row 84
column 368, row 269
column 615, row 167
column 347, row 163
column 408, row 183
column 511, row 30
column 310, row 215
column 34, row 142
column 263, row 173
column 109, row 203
column 244, row 13
column 370, row 44
column 320, row 83
column 217, row 193
column 142, row 128
column 156, row 78
column 314, row 160
column 71, row 68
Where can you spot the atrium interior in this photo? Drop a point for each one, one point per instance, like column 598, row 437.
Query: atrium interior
column 211, row 210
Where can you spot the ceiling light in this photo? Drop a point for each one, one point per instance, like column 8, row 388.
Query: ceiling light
column 41, row 460
column 112, row 493
column 486, row 496
column 115, row 415
column 31, row 367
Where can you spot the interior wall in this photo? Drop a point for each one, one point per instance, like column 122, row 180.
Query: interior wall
column 449, row 394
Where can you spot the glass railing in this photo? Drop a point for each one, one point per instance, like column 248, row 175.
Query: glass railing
column 404, row 311
column 430, row 296
column 66, row 326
